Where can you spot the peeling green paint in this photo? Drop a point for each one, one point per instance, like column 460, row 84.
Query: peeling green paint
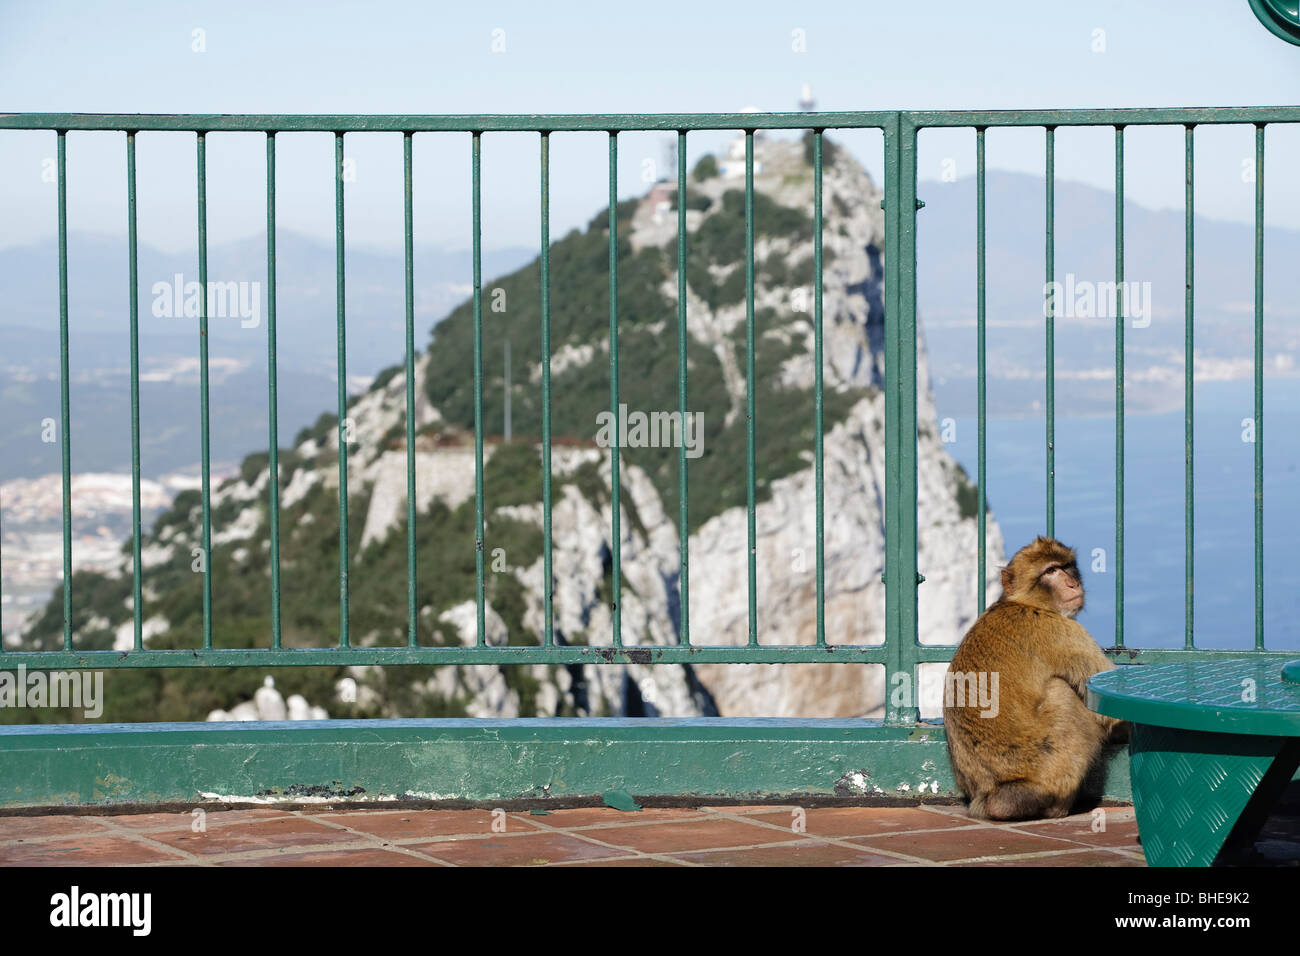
column 620, row 800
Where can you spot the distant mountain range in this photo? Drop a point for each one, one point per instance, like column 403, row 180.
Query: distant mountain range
column 1085, row 261
column 946, row 289
column 99, row 354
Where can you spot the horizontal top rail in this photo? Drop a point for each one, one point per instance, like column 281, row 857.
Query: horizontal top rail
column 465, row 122
column 630, row 122
column 1128, row 116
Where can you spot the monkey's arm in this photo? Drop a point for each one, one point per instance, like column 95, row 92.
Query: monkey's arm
column 1077, row 659
column 1086, row 659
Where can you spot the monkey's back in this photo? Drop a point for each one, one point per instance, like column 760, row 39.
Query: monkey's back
column 1019, row 644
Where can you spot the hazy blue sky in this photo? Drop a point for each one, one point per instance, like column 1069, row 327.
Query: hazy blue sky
column 671, row 56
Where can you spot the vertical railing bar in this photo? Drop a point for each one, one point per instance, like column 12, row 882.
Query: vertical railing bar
column 1259, row 386
column 901, row 539
column 341, row 299
column 616, row 543
column 895, row 623
column 818, row 459
column 133, row 285
column 548, row 574
column 981, row 476
column 412, row 598
column 1189, row 363
column 204, row 394
column 907, row 425
column 64, row 404
column 481, row 615
column 683, row 522
column 750, row 386
column 272, row 397
column 1050, row 362
column 1119, row 386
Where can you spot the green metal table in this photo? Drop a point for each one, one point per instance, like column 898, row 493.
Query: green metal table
column 1214, row 744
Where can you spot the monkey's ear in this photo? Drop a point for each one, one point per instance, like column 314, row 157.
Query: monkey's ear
column 1006, row 580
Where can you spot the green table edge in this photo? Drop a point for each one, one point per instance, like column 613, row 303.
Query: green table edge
column 1245, row 718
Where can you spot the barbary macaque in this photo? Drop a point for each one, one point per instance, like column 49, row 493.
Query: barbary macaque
column 1024, row 750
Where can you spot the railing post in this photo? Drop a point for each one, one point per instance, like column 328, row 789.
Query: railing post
column 340, row 295
column 900, row 421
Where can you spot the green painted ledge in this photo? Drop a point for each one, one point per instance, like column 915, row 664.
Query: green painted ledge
column 478, row 761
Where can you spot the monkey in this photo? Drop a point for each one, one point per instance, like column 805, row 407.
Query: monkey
column 1023, row 747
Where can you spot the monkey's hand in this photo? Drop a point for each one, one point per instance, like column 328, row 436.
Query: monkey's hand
column 1112, row 731
column 1120, row 731
column 1077, row 672
column 1083, row 659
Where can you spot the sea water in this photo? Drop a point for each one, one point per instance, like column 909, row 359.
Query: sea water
column 1154, row 563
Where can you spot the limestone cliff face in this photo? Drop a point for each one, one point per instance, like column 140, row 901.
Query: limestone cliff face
column 854, row 484
column 786, row 594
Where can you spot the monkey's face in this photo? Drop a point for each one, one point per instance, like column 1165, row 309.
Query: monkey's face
column 1065, row 586
column 1044, row 574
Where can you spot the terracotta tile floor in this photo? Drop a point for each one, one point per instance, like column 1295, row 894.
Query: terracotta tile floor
column 590, row 836
column 587, row 836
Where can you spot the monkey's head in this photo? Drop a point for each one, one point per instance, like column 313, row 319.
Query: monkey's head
column 1044, row 573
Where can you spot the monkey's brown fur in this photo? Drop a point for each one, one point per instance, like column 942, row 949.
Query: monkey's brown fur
column 1032, row 757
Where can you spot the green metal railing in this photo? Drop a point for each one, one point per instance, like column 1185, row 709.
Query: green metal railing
column 901, row 651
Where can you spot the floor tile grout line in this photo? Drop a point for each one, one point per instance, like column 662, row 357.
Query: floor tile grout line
column 146, row 841
column 286, row 815
column 972, row 825
column 259, row 853
column 143, row 837
column 1123, row 814
column 1077, row 840
column 436, row 838
column 1067, row 846
column 112, row 826
column 973, row 822
column 656, row 857
column 614, row 846
column 318, row 816
column 601, row 843
column 271, row 853
column 411, row 851
column 364, row 841
column 455, row 838
column 843, row 842
column 379, row 842
column 1016, row 857
column 980, row 825
column 209, row 860
column 866, row 852
column 1136, row 853
column 626, row 823
column 1024, row 827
